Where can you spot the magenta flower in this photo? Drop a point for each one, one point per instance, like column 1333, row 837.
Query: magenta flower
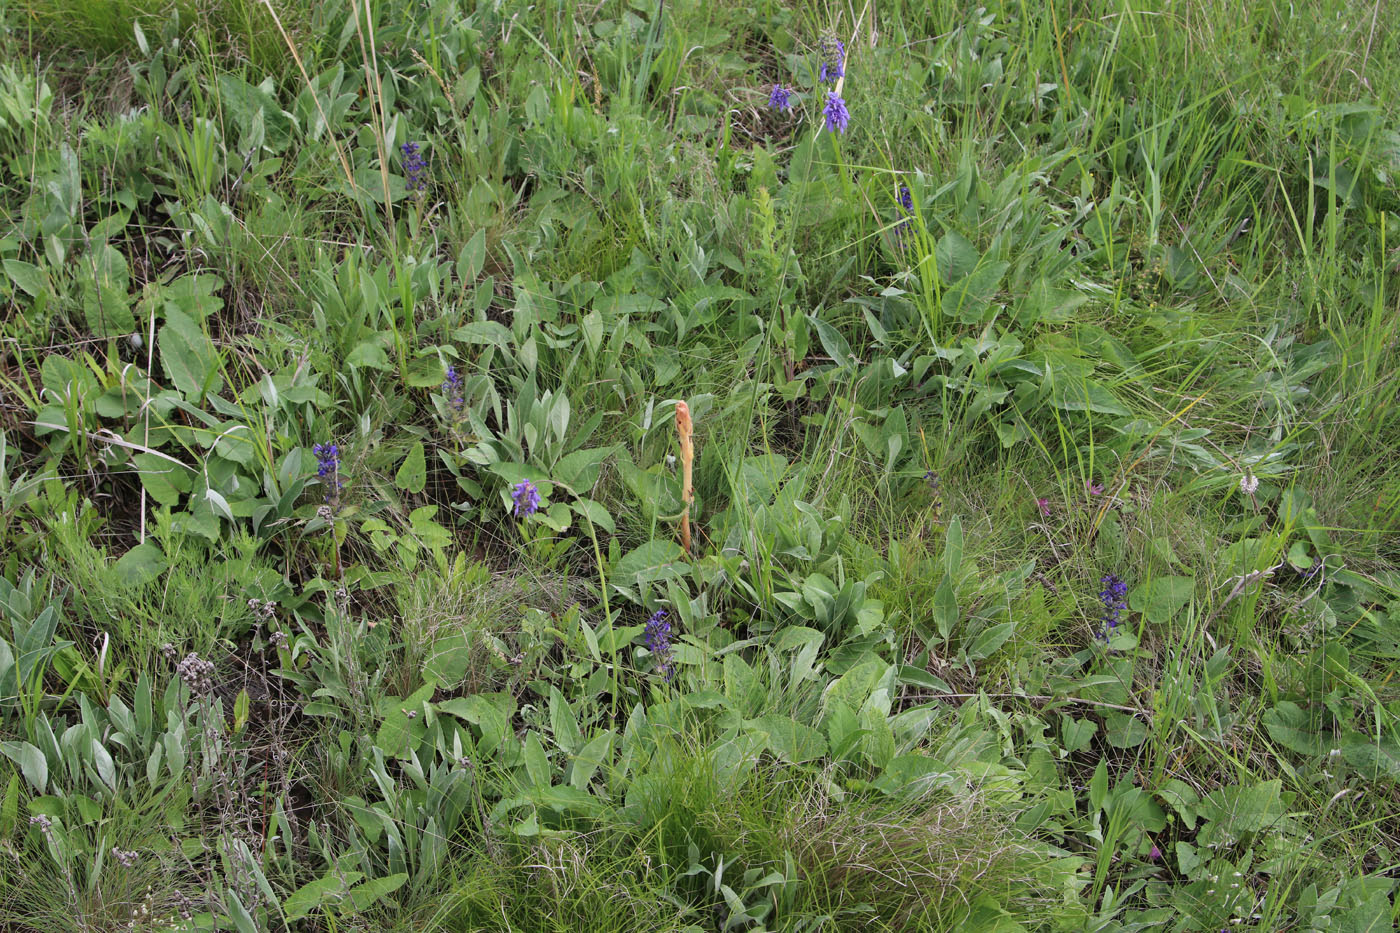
column 1044, row 507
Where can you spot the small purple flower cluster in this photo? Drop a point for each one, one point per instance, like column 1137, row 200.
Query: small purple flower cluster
column 1114, row 597
column 452, row 390
column 833, row 64
column 526, row 498
column 836, row 114
column 906, row 205
column 658, row 639
column 935, row 488
column 415, row 168
column 328, row 468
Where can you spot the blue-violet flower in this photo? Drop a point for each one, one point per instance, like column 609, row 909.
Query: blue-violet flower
column 658, row 639
column 780, row 98
column 414, row 167
column 835, row 112
column 328, row 467
column 526, row 498
column 1115, row 599
column 452, row 389
column 833, row 53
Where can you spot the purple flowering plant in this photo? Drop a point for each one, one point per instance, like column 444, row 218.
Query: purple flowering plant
column 1114, row 597
column 526, row 498
column 415, row 168
column 835, row 113
column 657, row 635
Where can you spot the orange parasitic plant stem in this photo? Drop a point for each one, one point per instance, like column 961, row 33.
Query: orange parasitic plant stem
column 683, row 429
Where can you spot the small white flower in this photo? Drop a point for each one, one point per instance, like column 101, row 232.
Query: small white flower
column 1249, row 483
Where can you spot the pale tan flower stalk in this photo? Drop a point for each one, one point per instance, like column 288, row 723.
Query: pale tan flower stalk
column 683, row 429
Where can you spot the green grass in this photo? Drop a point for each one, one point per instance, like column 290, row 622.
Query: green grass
column 1138, row 319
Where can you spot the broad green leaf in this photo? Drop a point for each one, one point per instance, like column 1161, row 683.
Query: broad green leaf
column 248, row 105
column 188, row 357
column 1376, row 761
column 403, row 721
column 370, row 354
column 945, row 607
column 1161, row 598
column 490, row 712
column 955, row 255
column 142, row 564
column 989, row 640
column 537, row 767
column 31, row 761
column 658, row 559
column 364, row 895
column 472, row 257
column 1290, row 726
column 1231, row 811
column 579, row 470
column 1123, row 730
column 106, row 293
column 592, row 756
column 413, row 473
column 970, row 298
column 164, row 481
column 27, row 277
column 953, row 547
column 1076, row 733
column 596, row 513
column 789, row 739
column 315, row 894
column 832, row 342
column 487, row 332
column 1373, row 916
column 242, row 920
column 742, row 686
column 563, row 722
column 1087, row 395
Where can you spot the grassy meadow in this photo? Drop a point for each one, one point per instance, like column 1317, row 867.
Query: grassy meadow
column 667, row 465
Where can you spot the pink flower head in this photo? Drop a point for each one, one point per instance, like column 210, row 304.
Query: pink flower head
column 1155, row 854
column 1094, row 489
column 1044, row 506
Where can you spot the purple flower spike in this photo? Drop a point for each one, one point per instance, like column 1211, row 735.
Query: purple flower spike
column 835, row 112
column 1115, row 599
column 414, row 167
column 780, row 98
column 833, row 53
column 328, row 468
column 526, row 498
column 658, row 639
